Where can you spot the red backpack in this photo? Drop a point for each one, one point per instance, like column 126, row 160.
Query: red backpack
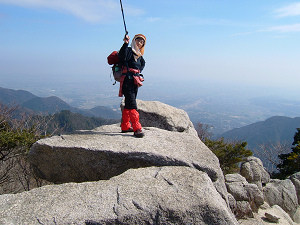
column 113, row 59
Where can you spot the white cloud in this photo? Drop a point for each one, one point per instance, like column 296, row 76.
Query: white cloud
column 286, row 28
column 282, row 29
column 289, row 10
column 153, row 19
column 89, row 10
column 292, row 9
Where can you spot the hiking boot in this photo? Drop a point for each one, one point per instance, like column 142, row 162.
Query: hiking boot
column 129, row 130
column 138, row 133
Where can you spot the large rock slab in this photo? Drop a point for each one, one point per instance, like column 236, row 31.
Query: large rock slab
column 163, row 116
column 166, row 195
column 283, row 194
column 106, row 152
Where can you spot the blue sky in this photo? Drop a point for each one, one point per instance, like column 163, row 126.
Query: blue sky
column 254, row 42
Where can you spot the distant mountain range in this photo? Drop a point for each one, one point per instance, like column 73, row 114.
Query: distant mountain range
column 276, row 134
column 276, row 128
column 9, row 96
column 50, row 105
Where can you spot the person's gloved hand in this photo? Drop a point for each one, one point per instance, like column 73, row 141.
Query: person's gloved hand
column 126, row 39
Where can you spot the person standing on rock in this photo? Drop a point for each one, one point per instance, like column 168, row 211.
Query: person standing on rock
column 133, row 63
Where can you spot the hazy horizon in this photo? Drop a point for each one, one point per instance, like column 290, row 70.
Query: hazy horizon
column 222, row 105
column 152, row 89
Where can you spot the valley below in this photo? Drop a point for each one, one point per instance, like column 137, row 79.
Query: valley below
column 222, row 106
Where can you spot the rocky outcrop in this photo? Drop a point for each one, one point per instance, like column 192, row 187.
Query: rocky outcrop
column 252, row 192
column 253, row 170
column 165, row 195
column 247, row 196
column 106, row 152
column 167, row 177
column 163, row 116
column 235, row 184
column 283, row 194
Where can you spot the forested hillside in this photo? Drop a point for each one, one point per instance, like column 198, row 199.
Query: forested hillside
column 68, row 122
column 49, row 105
column 9, row 96
column 276, row 128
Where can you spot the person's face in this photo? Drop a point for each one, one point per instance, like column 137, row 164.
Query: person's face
column 139, row 42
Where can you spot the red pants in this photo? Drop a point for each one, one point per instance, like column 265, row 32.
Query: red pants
column 130, row 115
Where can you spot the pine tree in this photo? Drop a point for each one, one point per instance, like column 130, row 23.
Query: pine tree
column 229, row 153
column 290, row 162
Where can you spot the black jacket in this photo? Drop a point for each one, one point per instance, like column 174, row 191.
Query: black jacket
column 126, row 56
